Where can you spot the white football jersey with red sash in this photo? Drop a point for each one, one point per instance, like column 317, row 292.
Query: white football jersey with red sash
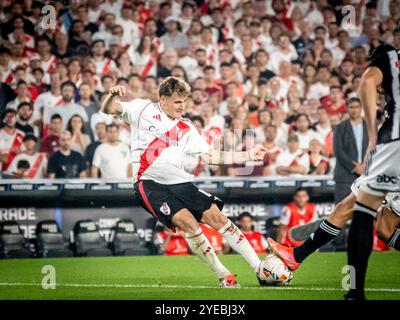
column 160, row 145
column 104, row 66
column 10, row 144
column 37, row 162
column 288, row 159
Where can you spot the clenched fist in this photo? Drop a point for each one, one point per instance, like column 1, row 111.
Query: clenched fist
column 257, row 153
column 118, row 90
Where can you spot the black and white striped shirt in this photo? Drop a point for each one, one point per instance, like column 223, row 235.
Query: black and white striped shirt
column 389, row 64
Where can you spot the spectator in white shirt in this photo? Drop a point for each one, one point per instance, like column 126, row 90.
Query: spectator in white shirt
column 173, row 38
column 105, row 32
column 67, row 108
column 323, row 126
column 112, row 158
column 131, row 35
column 304, row 133
column 186, row 17
column 264, row 120
column 287, row 80
column 279, row 117
column 321, row 87
column 23, row 95
column 293, row 160
column 37, row 161
column 111, row 6
column 286, row 52
column 332, row 39
column 343, row 47
column 94, row 10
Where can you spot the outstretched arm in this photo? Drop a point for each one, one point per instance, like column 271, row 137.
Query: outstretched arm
column 110, row 103
column 371, row 79
column 217, row 157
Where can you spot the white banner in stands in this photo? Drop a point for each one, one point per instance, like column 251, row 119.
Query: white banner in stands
column 27, row 218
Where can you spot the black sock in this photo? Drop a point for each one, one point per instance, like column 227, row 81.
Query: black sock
column 394, row 240
column 359, row 246
column 325, row 233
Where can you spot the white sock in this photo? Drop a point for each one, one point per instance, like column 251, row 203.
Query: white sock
column 240, row 244
column 200, row 246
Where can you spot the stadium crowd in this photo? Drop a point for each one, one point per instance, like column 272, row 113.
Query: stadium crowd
column 287, row 70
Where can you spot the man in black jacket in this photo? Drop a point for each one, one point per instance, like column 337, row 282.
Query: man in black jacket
column 350, row 142
column 6, row 95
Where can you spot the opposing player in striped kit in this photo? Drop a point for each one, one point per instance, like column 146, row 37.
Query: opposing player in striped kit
column 377, row 189
column 163, row 145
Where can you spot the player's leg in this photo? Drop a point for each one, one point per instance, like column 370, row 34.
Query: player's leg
column 327, row 231
column 208, row 207
column 381, row 177
column 198, row 243
column 388, row 228
column 163, row 204
column 360, row 240
column 232, row 234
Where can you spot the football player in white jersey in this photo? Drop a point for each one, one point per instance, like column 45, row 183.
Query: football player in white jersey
column 163, row 143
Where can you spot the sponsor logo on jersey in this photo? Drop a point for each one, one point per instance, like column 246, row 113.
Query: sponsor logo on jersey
column 155, row 130
column 157, row 117
column 386, row 179
column 165, row 209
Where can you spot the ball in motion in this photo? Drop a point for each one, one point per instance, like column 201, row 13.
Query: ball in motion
column 274, row 272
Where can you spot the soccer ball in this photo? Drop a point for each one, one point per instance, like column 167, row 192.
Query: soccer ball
column 274, row 272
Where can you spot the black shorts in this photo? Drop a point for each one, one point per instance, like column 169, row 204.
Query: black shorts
column 164, row 201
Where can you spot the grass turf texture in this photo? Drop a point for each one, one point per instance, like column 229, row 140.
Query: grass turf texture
column 186, row 277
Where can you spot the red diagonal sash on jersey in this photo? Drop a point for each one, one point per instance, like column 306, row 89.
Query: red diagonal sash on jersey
column 157, row 146
column 294, row 162
column 211, row 56
column 10, row 78
column 106, row 67
column 152, row 60
column 16, row 145
column 53, row 65
column 32, row 172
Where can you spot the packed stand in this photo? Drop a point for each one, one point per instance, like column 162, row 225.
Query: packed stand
column 278, row 73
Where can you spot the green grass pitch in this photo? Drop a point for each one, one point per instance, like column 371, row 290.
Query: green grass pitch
column 186, row 277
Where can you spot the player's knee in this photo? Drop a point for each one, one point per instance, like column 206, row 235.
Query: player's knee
column 382, row 234
column 383, row 230
column 220, row 220
column 215, row 218
column 185, row 221
column 341, row 214
column 190, row 227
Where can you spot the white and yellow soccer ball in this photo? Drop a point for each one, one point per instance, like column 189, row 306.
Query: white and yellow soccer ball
column 273, row 272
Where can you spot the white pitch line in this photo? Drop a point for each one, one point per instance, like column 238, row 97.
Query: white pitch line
column 171, row 286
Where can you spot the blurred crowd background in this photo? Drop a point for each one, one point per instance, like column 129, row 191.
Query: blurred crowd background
column 287, row 71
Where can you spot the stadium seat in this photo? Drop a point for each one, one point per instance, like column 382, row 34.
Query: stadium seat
column 12, row 241
column 126, row 241
column 271, row 227
column 88, row 241
column 50, row 241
